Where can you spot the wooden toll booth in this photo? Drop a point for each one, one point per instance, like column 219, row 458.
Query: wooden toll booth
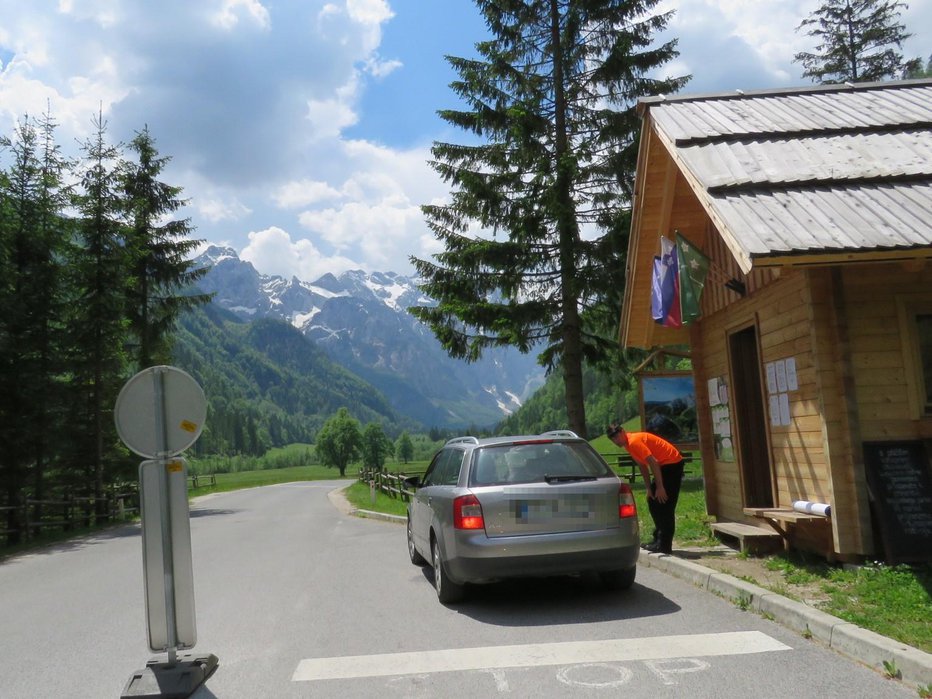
column 812, row 355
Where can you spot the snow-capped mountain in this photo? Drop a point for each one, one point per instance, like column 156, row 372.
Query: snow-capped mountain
column 361, row 321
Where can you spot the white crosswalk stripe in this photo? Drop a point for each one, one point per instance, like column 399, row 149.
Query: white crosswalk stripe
column 536, row 655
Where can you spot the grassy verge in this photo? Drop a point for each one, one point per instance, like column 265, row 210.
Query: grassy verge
column 254, row 479
column 359, row 495
column 893, row 601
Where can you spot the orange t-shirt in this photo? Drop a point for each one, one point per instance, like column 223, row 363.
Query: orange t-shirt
column 644, row 444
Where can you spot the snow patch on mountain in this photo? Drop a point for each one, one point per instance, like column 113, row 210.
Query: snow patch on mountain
column 362, row 321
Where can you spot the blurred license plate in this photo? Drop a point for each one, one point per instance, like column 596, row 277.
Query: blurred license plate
column 566, row 507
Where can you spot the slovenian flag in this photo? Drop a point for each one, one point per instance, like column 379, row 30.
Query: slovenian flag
column 665, row 292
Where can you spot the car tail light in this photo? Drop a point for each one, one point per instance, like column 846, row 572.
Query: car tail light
column 467, row 513
column 626, row 506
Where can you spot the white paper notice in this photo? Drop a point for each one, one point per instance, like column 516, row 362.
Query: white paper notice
column 774, row 411
column 784, row 409
column 781, row 375
column 792, row 381
column 713, row 392
column 771, row 378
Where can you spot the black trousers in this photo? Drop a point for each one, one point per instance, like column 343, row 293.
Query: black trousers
column 664, row 513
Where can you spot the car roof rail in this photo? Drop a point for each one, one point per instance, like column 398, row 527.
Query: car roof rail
column 560, row 433
column 462, row 440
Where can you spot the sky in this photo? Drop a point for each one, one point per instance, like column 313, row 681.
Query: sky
column 300, row 130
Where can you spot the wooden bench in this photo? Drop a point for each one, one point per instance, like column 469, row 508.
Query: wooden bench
column 785, row 520
column 626, row 462
column 750, row 538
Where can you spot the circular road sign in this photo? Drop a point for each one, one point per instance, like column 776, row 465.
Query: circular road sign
column 137, row 406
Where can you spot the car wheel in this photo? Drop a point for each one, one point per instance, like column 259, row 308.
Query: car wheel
column 416, row 558
column 618, row 579
column 448, row 591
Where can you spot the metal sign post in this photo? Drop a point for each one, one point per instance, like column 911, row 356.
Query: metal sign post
column 159, row 413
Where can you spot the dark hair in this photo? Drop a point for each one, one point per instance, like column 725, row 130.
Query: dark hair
column 612, row 430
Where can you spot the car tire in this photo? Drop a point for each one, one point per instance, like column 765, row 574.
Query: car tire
column 448, row 592
column 416, row 558
column 618, row 579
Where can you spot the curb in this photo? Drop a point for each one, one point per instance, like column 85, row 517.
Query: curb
column 369, row 514
column 866, row 647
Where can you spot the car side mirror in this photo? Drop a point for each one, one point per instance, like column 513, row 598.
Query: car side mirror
column 413, row 482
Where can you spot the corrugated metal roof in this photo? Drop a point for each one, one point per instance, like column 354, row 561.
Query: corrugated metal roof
column 821, row 219
column 823, row 158
column 886, row 105
column 809, row 171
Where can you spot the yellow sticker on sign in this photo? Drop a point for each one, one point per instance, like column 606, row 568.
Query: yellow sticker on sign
column 174, row 466
column 188, row 426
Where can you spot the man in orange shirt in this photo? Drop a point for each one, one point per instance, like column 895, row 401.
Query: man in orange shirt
column 658, row 458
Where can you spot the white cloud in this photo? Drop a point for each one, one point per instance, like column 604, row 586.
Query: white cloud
column 272, row 251
column 303, row 193
column 217, row 210
column 229, row 15
column 369, row 11
column 329, row 117
column 379, row 68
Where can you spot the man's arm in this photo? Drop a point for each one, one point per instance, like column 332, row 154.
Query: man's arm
column 657, row 471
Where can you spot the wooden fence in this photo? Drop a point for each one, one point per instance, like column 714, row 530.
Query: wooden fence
column 626, row 467
column 392, row 484
column 31, row 516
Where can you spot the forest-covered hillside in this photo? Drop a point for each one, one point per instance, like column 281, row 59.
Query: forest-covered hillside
column 267, row 385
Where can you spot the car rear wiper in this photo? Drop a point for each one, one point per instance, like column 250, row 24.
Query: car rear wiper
column 568, row 479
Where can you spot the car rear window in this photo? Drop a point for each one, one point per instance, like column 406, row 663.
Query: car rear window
column 536, row 461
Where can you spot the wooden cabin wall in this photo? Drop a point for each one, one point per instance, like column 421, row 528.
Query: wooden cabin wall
column 851, row 530
column 842, row 327
column 782, row 314
column 881, row 376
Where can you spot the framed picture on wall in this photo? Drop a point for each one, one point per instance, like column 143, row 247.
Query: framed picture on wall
column 668, row 407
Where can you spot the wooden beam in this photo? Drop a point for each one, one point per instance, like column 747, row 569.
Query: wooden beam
column 915, row 256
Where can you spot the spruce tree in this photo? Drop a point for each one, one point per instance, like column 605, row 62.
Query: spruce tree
column 856, row 41
column 551, row 100
column 30, row 307
column 99, row 266
column 161, row 275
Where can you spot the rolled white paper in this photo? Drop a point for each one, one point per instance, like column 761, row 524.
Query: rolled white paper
column 812, row 508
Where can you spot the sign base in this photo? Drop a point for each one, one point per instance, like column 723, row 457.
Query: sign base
column 159, row 680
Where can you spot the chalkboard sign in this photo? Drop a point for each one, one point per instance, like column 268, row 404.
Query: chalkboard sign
column 900, row 487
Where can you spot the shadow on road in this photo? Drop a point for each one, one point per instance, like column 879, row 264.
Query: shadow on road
column 211, row 512
column 574, row 599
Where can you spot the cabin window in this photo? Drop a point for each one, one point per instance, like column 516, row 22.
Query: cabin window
column 924, row 333
column 915, row 314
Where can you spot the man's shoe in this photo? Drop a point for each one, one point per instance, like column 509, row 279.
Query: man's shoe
column 652, row 547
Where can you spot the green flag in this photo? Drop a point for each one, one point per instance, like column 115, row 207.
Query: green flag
column 693, row 268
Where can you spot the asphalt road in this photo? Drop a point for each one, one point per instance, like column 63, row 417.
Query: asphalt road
column 299, row 599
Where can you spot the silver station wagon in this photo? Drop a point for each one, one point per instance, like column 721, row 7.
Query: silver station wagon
column 530, row 506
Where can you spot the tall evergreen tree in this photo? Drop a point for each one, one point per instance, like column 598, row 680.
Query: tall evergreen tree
column 552, row 99
column 160, row 269
column 914, row 69
column 30, row 305
column 99, row 266
column 856, row 41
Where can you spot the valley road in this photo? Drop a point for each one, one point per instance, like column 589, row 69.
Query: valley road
column 299, row 599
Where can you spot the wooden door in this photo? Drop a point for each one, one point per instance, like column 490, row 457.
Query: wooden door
column 751, row 419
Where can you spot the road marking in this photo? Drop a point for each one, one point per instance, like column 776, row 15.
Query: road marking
column 536, row 655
